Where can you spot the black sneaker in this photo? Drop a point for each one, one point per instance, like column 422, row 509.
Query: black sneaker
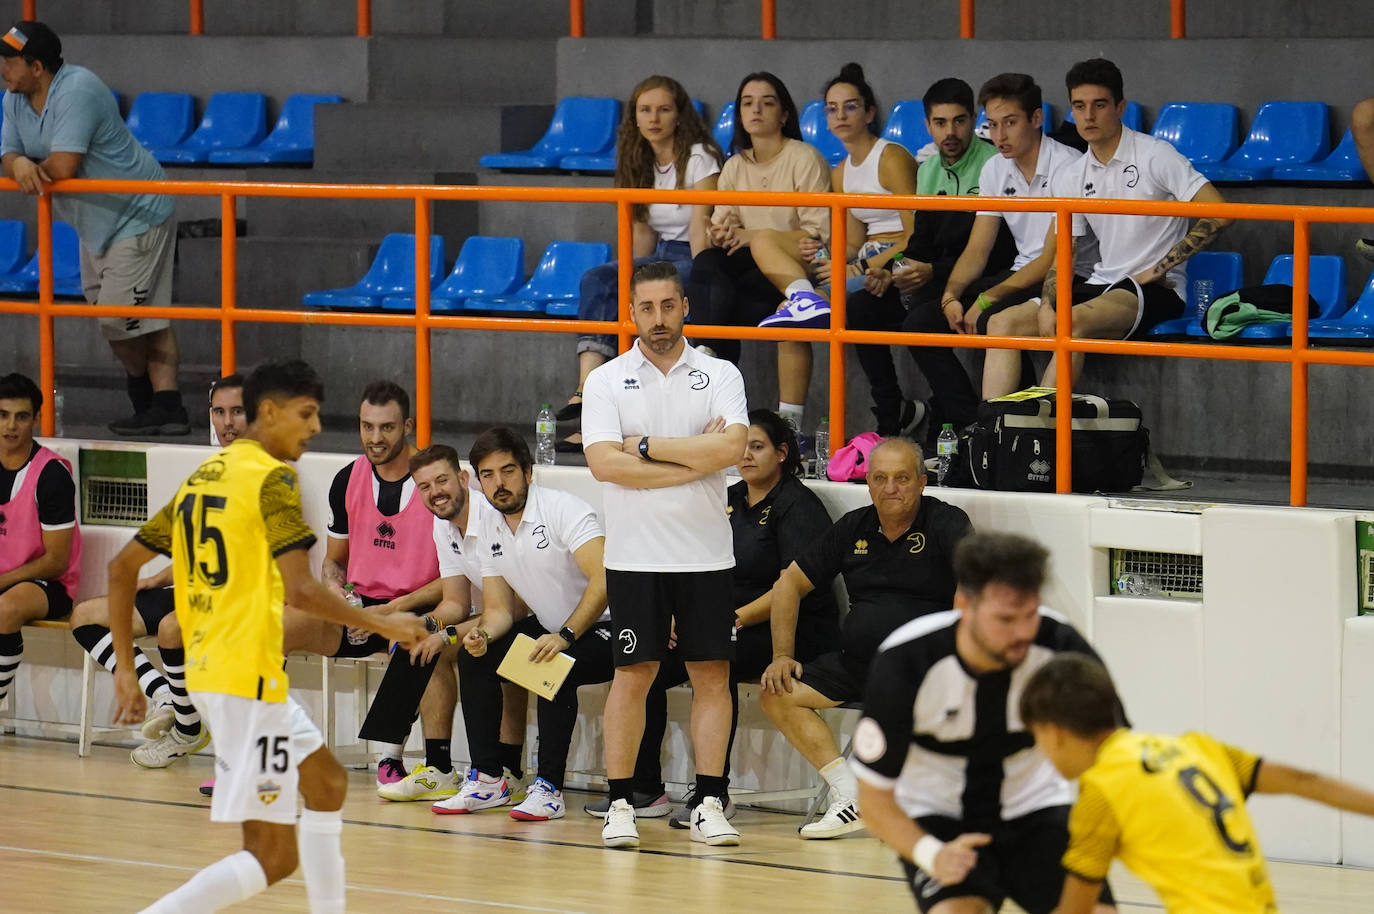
column 908, row 421
column 647, row 805
column 154, row 421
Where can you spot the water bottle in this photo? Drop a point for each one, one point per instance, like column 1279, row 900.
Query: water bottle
column 822, row 447
column 352, row 598
column 946, row 449
column 1137, row 585
column 1203, row 290
column 545, row 428
column 57, row 405
column 900, row 263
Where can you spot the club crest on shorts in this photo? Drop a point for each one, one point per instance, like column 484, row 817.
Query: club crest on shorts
column 268, row 792
column 628, row 638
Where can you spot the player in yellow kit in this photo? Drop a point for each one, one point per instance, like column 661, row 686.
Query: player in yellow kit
column 239, row 547
column 1171, row 807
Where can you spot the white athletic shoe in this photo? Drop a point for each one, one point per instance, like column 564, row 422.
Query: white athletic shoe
column 709, row 825
column 477, row 793
column 424, row 783
column 160, row 719
column 541, row 803
column 620, row 830
column 169, row 747
column 840, row 819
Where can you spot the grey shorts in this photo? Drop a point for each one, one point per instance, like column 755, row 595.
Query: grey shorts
column 132, row 271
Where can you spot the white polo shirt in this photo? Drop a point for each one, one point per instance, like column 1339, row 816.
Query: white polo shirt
column 679, row 528
column 1142, row 168
column 461, row 556
column 1002, row 178
column 536, row 559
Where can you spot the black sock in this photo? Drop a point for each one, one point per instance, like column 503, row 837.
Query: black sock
column 140, row 390
column 710, row 785
column 437, row 755
column 622, row 789
column 513, row 758
column 168, row 400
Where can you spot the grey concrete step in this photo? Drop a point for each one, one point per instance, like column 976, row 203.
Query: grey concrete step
column 540, row 223
column 350, row 218
column 424, row 137
column 452, row 70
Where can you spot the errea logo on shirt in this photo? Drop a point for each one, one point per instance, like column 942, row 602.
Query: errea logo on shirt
column 496, row 550
column 632, row 383
column 861, row 547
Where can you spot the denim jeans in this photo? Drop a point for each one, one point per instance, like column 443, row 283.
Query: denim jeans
column 599, row 301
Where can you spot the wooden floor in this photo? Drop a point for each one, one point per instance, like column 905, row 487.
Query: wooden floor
column 99, row 834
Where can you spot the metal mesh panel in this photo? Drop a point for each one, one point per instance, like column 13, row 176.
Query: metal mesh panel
column 1168, row 574
column 114, row 500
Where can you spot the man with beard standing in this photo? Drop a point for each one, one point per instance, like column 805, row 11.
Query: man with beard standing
column 660, row 424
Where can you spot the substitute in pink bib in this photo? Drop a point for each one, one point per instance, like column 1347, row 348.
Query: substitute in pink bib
column 21, row 535
column 387, row 556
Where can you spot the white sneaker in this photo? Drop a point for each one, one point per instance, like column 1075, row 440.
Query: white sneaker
column 620, row 830
column 477, row 793
column 709, row 825
column 840, row 819
column 424, row 783
column 169, row 747
column 542, row 803
column 160, row 719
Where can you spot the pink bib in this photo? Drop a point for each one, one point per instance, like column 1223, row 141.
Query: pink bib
column 21, row 536
column 387, row 556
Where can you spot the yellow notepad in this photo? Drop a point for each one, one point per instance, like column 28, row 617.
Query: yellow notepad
column 543, row 679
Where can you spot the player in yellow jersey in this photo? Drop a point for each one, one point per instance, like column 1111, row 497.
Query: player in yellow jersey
column 239, row 546
column 1171, row 807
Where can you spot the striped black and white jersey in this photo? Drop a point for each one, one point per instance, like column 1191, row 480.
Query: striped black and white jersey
column 950, row 742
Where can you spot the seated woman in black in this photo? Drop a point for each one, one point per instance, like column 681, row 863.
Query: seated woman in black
column 774, row 517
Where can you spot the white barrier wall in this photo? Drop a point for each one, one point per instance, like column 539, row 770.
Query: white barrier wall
column 1271, row 658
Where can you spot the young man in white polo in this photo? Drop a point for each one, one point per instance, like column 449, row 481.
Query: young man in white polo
column 660, row 424
column 542, row 575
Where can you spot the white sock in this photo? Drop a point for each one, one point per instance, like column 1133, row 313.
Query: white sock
column 225, row 882
column 841, row 779
column 393, row 750
column 800, row 285
column 792, row 413
column 322, row 862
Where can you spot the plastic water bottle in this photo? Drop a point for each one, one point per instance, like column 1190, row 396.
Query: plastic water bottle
column 1203, row 291
column 822, row 447
column 946, row 449
column 1137, row 585
column 57, row 405
column 900, row 263
column 352, row 598
column 545, row 428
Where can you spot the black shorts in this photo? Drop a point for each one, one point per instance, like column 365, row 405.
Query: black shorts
column 1022, row 863
column 836, row 676
column 698, row 604
column 59, row 601
column 1161, row 303
column 373, row 643
column 153, row 606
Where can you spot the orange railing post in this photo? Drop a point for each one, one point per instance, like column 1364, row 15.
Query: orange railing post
column 577, row 19
column 1178, row 18
column 838, row 323
column 47, row 356
column 768, row 14
column 197, row 17
column 1063, row 355
column 228, row 283
column 965, row 18
column 364, row 18
column 30, row 11
column 625, row 264
column 1297, row 419
column 423, row 368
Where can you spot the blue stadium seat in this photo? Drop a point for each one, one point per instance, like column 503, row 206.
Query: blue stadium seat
column 1205, row 132
column 604, row 162
column 232, row 120
column 485, row 266
column 724, row 131
column 1326, row 285
column 815, row 132
column 1223, row 270
column 159, row 119
column 906, row 125
column 1355, row 327
column 1133, row 117
column 392, row 273
column 1342, row 165
column 1046, row 118
column 555, row 280
column 13, row 251
column 66, row 265
column 580, row 126
column 1283, row 133
column 292, row 140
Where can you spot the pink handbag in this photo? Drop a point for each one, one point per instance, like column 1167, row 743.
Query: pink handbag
column 850, row 463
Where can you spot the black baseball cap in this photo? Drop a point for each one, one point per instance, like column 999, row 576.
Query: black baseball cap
column 31, row 39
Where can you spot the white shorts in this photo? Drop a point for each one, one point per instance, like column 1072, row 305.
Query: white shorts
column 132, row 271
column 259, row 746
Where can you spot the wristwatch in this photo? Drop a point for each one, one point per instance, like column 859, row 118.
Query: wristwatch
column 644, row 448
column 431, row 624
column 567, row 635
column 451, row 634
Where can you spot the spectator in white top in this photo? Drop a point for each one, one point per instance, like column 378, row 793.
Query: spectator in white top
column 997, row 303
column 661, row 423
column 1138, row 279
column 663, row 144
column 756, row 253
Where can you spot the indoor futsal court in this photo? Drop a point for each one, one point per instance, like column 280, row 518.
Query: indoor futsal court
column 98, row 834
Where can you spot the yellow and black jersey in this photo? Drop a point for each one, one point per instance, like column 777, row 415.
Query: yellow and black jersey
column 1173, row 809
column 224, row 529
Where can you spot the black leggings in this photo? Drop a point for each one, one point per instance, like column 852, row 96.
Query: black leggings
column 729, row 290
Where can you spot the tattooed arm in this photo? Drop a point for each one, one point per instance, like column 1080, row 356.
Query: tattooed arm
column 1200, row 237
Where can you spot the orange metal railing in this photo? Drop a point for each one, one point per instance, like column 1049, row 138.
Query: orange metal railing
column 229, row 314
